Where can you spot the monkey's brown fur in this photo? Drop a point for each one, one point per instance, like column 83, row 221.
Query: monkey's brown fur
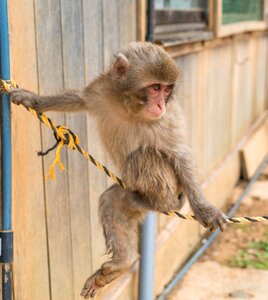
column 151, row 153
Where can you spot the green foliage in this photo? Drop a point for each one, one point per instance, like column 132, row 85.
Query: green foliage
column 254, row 256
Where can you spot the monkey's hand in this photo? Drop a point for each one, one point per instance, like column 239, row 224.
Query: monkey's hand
column 210, row 217
column 26, row 98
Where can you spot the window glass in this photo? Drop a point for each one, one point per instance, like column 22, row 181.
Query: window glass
column 181, row 4
column 234, row 11
column 181, row 21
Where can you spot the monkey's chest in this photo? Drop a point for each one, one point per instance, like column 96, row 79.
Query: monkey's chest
column 120, row 140
column 119, row 143
column 144, row 148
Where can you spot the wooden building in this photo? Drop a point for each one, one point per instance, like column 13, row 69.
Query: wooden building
column 57, row 45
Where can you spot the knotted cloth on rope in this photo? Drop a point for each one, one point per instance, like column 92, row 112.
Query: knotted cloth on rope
column 64, row 136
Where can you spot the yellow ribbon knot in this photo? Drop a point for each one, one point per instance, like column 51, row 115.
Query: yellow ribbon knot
column 64, row 136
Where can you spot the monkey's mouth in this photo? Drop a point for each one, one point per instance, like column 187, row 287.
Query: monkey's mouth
column 156, row 111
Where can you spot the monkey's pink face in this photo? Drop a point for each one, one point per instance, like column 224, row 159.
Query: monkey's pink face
column 157, row 95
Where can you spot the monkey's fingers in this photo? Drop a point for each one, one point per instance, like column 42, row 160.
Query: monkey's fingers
column 14, row 94
column 20, row 96
column 222, row 221
column 219, row 222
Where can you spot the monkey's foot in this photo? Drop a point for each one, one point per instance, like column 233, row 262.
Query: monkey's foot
column 90, row 288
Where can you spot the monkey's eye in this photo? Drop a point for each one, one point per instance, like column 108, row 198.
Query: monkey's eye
column 169, row 88
column 156, row 87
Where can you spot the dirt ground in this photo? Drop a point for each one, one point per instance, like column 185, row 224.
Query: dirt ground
column 236, row 265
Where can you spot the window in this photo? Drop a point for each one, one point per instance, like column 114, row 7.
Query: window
column 234, row 11
column 234, row 16
column 185, row 21
column 181, row 20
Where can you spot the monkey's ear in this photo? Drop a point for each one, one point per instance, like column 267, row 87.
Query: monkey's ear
column 120, row 66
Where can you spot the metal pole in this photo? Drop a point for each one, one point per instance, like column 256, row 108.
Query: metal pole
column 146, row 276
column 6, row 233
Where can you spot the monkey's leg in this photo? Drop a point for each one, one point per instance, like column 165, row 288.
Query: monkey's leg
column 120, row 218
column 68, row 101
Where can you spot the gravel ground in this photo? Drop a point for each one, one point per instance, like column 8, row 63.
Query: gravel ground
column 211, row 281
column 214, row 277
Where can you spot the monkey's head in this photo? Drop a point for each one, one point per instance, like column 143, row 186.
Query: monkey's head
column 145, row 77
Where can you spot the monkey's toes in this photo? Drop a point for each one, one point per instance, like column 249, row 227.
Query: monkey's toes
column 90, row 288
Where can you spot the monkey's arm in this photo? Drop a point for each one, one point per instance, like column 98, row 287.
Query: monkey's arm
column 68, row 101
column 207, row 214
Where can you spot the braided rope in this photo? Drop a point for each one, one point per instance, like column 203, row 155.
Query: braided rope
column 65, row 136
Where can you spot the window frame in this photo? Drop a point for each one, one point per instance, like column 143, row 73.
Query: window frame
column 223, row 30
column 214, row 27
column 193, row 28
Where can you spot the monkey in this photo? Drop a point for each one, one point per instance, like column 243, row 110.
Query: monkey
column 142, row 127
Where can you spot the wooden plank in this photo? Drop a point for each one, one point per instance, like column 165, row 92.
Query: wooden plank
column 185, row 37
column 241, row 27
column 265, row 11
column 141, row 20
column 189, row 92
column 178, row 49
column 254, row 49
column 93, row 38
column 260, row 78
column 93, row 45
column 169, row 16
column 242, row 89
column 218, row 185
column 203, row 106
column 218, row 105
column 255, row 150
column 110, row 30
column 127, row 22
column 30, row 242
column 50, row 75
column 178, row 28
column 73, row 70
column 221, row 181
column 211, row 15
column 266, row 80
column 217, row 13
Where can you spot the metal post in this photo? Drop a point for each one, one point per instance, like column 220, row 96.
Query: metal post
column 6, row 233
column 146, row 276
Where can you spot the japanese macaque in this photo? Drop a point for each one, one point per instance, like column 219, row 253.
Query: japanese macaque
column 142, row 128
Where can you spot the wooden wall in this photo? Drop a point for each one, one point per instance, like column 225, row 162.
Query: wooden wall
column 223, row 92
column 57, row 45
column 63, row 44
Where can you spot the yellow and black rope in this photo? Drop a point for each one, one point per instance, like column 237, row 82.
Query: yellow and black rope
column 64, row 136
